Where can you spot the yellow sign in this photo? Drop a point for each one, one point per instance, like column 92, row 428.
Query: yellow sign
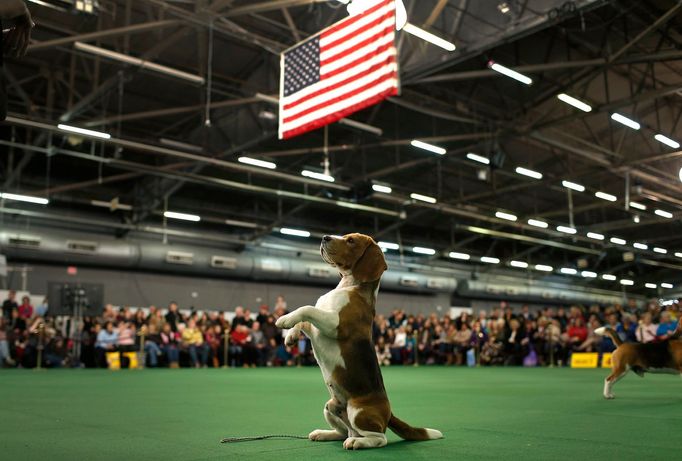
column 584, row 360
column 606, row 360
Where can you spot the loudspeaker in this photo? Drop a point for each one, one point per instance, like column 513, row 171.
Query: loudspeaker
column 63, row 298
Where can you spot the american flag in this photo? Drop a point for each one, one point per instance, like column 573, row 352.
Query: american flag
column 341, row 70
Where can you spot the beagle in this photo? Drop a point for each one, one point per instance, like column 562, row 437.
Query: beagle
column 340, row 329
column 656, row 357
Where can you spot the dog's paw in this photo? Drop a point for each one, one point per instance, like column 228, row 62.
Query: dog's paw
column 322, row 435
column 352, row 443
column 609, row 396
column 286, row 321
column 292, row 337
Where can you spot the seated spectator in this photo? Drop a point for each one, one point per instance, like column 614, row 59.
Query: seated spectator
column 627, row 330
column 238, row 338
column 461, row 343
column 41, row 309
column 25, row 309
column 5, row 358
column 107, row 341
column 516, row 344
column 256, row 346
column 398, row 346
column 152, row 341
column 169, row 345
column 383, row 353
column 214, row 339
column 576, row 333
column 646, row 330
column 667, row 327
column 193, row 341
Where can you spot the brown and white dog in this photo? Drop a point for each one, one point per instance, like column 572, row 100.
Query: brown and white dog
column 657, row 357
column 340, row 329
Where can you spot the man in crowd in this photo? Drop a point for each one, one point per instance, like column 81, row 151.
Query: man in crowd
column 9, row 304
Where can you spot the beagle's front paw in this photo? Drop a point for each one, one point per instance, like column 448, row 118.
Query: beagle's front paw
column 286, row 321
column 292, row 337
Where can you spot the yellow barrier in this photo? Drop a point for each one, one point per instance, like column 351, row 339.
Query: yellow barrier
column 606, row 360
column 114, row 360
column 584, row 360
column 132, row 359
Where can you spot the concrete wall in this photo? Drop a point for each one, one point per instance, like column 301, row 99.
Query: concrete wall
column 143, row 289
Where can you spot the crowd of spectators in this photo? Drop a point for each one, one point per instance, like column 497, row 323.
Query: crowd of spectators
column 188, row 338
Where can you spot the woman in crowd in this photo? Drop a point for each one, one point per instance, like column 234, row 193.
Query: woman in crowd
column 193, row 341
column 169, row 345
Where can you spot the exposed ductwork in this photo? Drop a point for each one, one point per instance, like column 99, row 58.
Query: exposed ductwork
column 258, row 265
column 276, row 265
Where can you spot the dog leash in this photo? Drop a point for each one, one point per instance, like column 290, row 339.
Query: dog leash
column 262, row 437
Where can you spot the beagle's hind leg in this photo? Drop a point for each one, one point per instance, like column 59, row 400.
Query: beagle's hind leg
column 334, row 414
column 369, row 422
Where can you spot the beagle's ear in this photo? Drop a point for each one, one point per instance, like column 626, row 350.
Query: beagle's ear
column 371, row 264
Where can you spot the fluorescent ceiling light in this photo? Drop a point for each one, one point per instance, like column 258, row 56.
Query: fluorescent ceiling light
column 424, row 251
column 650, row 285
column 83, row 131
column 510, row 73
column 609, row 277
column 589, row 274
column 256, row 162
column 667, row 141
column 566, row 229
column 381, row 188
column 478, row 158
column 530, row 173
column 595, row 236
column 678, row 254
column 430, row 147
column 389, row 246
column 423, row 198
column 626, row 282
column 568, row 270
column 605, row 196
column 680, row 174
column 519, row 264
column 182, row 216
column 573, row 186
column 570, row 100
column 316, row 175
column 625, row 121
column 664, row 214
column 666, row 285
column 660, row 250
column 489, row 260
column 543, row 268
column 638, row 205
column 138, row 62
column 538, row 223
column 462, row 256
column 617, row 241
column 24, row 198
column 507, row 216
column 640, row 246
column 429, row 37
column 294, row 232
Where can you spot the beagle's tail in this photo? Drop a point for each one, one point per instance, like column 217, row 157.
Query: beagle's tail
column 408, row 432
column 611, row 333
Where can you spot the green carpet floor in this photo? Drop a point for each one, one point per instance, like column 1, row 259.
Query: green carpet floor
column 498, row 413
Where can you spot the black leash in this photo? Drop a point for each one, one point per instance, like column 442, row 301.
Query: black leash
column 262, row 437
